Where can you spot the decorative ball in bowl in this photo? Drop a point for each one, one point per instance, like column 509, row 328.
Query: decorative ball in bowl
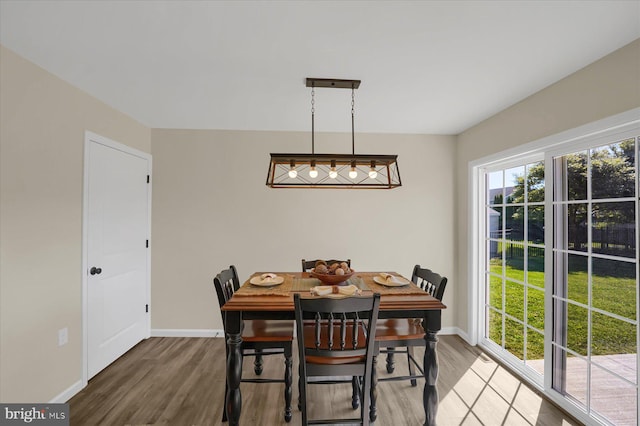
column 334, row 274
column 330, row 279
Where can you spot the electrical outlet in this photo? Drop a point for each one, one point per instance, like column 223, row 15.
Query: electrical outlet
column 63, row 336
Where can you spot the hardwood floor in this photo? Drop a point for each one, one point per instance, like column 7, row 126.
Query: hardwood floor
column 181, row 381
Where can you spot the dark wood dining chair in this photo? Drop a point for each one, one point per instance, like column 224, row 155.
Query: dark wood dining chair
column 308, row 264
column 400, row 335
column 339, row 342
column 259, row 338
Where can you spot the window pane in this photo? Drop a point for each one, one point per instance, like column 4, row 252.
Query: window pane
column 515, row 223
column 576, row 331
column 495, row 292
column 571, row 226
column 535, row 350
column 614, row 287
column 514, row 185
column 515, row 261
column 514, row 299
column 535, row 182
column 613, row 230
column 495, row 260
column 535, row 225
column 613, row 171
column 576, row 371
column 535, row 308
column 495, row 187
column 613, row 397
column 494, row 325
column 535, row 266
column 576, row 177
column 494, row 222
column 578, row 278
column 514, row 337
column 612, row 336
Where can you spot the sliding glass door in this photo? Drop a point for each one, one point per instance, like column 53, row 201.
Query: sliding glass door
column 595, row 279
column 558, row 274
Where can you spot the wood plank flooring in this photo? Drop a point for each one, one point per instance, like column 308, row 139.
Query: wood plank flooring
column 181, row 381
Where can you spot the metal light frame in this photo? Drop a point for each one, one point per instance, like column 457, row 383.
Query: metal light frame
column 346, row 171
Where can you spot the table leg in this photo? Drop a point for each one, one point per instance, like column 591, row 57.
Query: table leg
column 233, row 325
column 430, row 394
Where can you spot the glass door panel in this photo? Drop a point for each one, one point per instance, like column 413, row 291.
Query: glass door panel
column 514, row 270
column 595, row 280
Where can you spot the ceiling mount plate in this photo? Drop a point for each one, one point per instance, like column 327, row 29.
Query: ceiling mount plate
column 333, row 83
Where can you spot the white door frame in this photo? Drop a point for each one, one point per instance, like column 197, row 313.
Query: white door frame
column 89, row 138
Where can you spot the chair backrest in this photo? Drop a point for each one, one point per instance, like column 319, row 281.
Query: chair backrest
column 226, row 283
column 429, row 281
column 308, row 264
column 342, row 328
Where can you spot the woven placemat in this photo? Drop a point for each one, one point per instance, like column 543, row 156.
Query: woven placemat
column 283, row 289
column 367, row 278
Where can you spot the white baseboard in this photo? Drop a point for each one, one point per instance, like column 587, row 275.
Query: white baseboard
column 448, row 330
column 68, row 393
column 457, row 331
column 171, row 332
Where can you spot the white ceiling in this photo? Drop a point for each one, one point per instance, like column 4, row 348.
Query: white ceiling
column 435, row 67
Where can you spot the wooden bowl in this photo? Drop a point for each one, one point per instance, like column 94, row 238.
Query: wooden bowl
column 330, row 279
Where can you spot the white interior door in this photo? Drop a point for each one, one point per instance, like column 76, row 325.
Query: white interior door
column 116, row 258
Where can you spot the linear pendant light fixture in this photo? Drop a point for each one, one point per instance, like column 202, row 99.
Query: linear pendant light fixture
column 355, row 171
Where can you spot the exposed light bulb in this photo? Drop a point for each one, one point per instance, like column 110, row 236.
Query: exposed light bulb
column 293, row 173
column 332, row 173
column 353, row 173
column 373, row 173
column 313, row 173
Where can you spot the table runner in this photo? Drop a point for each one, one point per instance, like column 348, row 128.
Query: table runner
column 296, row 283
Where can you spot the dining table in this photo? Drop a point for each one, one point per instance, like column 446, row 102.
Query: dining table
column 276, row 302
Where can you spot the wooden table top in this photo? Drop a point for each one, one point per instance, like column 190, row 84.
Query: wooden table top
column 280, row 298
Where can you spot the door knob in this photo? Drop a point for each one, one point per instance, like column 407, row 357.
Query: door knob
column 94, row 270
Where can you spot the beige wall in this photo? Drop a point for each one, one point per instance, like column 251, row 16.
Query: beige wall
column 42, row 125
column 211, row 208
column 604, row 88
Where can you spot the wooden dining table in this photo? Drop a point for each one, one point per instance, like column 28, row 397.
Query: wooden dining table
column 276, row 302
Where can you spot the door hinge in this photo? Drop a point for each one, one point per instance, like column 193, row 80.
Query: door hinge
column 148, row 178
column 147, row 245
column 146, row 308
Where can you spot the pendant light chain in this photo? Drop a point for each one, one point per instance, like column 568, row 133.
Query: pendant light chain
column 353, row 102
column 313, row 114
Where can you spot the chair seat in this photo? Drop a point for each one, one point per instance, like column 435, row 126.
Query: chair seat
column 267, row 330
column 399, row 329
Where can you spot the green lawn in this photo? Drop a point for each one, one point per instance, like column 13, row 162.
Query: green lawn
column 613, row 291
